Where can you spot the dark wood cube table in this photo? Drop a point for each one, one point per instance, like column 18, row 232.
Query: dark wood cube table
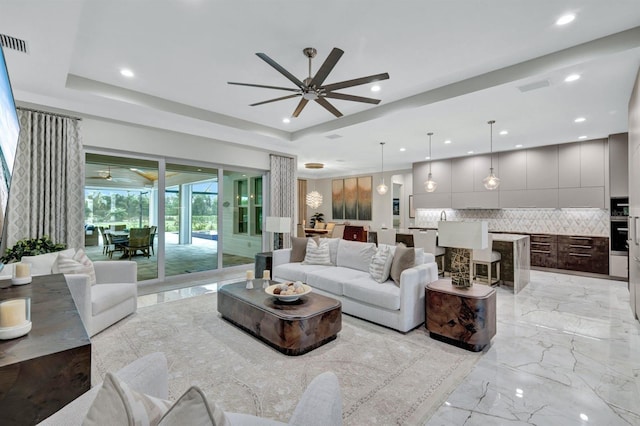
column 465, row 317
column 293, row 328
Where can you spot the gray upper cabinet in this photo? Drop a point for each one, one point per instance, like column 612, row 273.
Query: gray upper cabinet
column 513, row 170
column 441, row 172
column 569, row 165
column 542, row 167
column 462, row 174
column 592, row 163
column 619, row 165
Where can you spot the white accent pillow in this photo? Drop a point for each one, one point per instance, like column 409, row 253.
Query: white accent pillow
column 419, row 255
column 42, row 264
column 117, row 404
column 192, row 408
column 78, row 264
column 333, row 249
column 381, row 263
column 317, row 254
column 355, row 255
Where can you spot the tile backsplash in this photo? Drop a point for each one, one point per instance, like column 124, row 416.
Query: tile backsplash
column 592, row 222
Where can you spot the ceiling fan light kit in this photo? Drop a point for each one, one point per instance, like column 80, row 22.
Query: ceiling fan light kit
column 312, row 88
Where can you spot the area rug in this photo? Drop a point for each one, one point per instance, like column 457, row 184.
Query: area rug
column 386, row 377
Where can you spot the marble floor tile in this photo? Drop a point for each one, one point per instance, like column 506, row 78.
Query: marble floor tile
column 566, row 352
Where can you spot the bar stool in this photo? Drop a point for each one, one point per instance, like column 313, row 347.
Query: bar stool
column 486, row 257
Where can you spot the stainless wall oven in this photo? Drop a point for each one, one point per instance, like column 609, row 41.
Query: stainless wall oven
column 619, row 235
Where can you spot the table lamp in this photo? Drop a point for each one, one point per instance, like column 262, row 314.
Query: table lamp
column 279, row 226
column 462, row 237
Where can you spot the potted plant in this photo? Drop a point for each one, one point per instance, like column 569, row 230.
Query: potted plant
column 317, row 217
column 31, row 247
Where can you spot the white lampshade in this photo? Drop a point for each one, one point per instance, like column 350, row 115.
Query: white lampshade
column 278, row 224
column 469, row 235
column 314, row 199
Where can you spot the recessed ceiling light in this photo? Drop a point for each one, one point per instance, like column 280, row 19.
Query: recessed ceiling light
column 572, row 77
column 565, row 19
column 127, row 72
column 519, row 145
column 582, row 137
column 427, row 158
column 584, row 417
column 403, row 149
column 447, row 141
column 580, row 120
column 286, row 120
column 375, row 88
column 504, row 132
column 469, row 152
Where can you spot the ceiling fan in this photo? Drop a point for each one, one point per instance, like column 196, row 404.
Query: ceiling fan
column 104, row 175
column 312, row 88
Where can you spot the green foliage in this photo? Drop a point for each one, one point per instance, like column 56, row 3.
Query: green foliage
column 317, row 217
column 31, row 247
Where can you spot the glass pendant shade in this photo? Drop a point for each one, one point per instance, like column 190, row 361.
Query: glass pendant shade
column 382, row 188
column 492, row 181
column 430, row 185
column 314, row 199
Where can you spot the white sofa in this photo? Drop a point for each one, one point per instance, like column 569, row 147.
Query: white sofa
column 113, row 296
column 320, row 404
column 348, row 280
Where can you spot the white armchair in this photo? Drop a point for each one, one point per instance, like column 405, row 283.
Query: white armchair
column 113, row 297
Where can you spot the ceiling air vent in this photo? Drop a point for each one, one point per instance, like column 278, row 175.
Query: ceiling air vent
column 534, row 86
column 333, row 136
column 9, row 42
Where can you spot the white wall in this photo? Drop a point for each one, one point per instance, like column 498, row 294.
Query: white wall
column 382, row 205
column 124, row 137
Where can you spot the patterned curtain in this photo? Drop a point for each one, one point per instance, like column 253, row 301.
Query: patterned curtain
column 47, row 186
column 283, row 190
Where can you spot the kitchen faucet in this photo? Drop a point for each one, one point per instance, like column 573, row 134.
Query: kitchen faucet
column 443, row 213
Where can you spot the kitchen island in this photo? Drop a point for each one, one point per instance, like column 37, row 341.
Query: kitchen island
column 516, row 259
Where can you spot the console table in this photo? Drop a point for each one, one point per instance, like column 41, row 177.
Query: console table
column 45, row 370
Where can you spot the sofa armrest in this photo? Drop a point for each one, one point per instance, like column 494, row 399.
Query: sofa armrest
column 320, row 404
column 412, row 283
column 280, row 257
column 116, row 271
column 80, row 289
column 148, row 375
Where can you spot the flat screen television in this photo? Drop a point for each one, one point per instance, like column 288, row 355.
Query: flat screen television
column 9, row 132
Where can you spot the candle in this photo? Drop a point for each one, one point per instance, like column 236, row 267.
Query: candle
column 249, row 275
column 22, row 270
column 13, row 313
column 266, row 275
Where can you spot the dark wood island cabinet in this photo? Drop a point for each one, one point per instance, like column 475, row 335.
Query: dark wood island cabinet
column 570, row 252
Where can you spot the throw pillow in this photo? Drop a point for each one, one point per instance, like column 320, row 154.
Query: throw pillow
column 79, row 263
column 317, row 252
column 298, row 248
column 404, row 258
column 333, row 249
column 117, row 404
column 381, row 263
column 42, row 264
column 355, row 255
column 192, row 408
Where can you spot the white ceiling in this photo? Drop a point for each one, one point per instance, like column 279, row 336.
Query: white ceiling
column 453, row 66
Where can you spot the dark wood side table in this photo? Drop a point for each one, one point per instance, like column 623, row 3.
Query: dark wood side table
column 51, row 366
column 264, row 262
column 464, row 317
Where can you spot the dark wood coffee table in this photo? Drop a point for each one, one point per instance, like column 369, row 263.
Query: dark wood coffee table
column 293, row 328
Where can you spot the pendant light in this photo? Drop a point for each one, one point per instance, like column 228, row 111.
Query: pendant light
column 313, row 199
column 430, row 185
column 382, row 188
column 492, row 181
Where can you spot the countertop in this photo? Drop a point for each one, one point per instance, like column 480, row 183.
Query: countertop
column 508, row 237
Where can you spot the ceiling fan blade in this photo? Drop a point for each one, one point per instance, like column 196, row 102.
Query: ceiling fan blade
column 263, row 86
column 355, row 82
column 282, row 71
column 301, row 105
column 276, row 99
column 325, row 103
column 326, row 67
column 346, row 97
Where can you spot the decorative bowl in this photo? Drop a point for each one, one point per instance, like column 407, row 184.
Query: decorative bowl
column 287, row 298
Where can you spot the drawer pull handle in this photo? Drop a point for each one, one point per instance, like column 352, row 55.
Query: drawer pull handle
column 540, row 244
column 579, row 254
column 541, row 251
column 580, row 238
column 579, row 246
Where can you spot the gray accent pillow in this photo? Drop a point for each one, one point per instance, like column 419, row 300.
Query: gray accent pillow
column 299, row 248
column 404, row 258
